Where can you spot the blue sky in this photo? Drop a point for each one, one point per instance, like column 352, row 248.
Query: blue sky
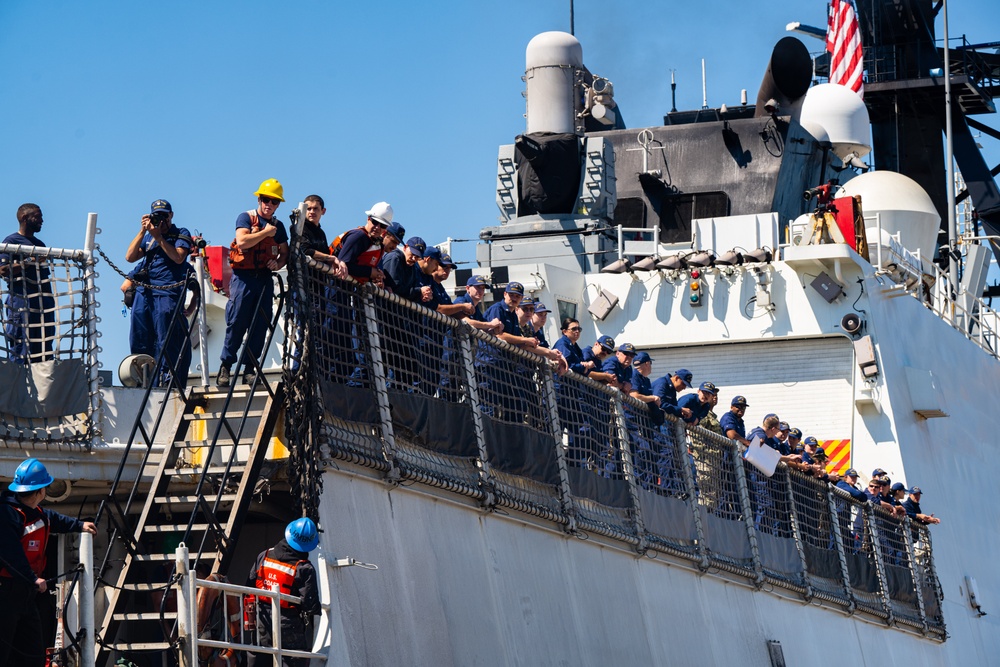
column 110, row 105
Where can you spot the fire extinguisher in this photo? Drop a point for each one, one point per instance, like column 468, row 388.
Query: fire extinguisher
column 249, row 613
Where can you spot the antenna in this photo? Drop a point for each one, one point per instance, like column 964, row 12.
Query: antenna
column 571, row 18
column 704, row 86
column 673, row 92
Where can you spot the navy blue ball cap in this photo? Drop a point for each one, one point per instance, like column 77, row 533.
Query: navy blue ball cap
column 541, row 308
column 740, row 401
column 640, row 358
column 685, row 375
column 851, row 473
column 446, row 260
column 417, row 246
column 607, row 342
column 810, row 440
column 795, row 433
column 627, row 348
column 160, row 206
column 433, row 253
column 916, row 490
column 476, row 281
column 396, row 231
column 709, row 387
column 515, row 288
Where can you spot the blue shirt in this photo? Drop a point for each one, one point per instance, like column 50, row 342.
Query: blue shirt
column 31, row 272
column 664, row 388
column 400, row 277
column 856, row 493
column 698, row 409
column 773, row 443
column 439, row 295
column 162, row 269
column 573, row 354
column 477, row 314
column 508, row 317
column 588, row 355
column 622, row 372
column 732, row 422
column 640, row 383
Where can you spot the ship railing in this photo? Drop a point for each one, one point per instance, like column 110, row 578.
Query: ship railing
column 423, row 398
column 48, row 351
column 640, row 242
column 191, row 634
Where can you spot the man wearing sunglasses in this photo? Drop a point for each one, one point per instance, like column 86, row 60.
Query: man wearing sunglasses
column 259, row 249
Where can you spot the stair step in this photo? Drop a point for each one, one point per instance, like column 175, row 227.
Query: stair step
column 175, row 528
column 241, row 391
column 159, row 558
column 144, row 587
column 139, row 646
column 146, row 616
column 191, row 500
column 223, row 441
column 236, row 469
column 230, row 415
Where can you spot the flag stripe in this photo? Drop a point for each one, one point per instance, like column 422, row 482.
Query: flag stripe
column 843, row 41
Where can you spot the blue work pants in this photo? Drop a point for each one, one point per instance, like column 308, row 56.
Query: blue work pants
column 245, row 290
column 151, row 332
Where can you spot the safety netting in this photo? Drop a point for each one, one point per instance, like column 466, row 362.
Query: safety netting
column 48, row 353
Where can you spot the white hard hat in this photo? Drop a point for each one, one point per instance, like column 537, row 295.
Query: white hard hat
column 381, row 212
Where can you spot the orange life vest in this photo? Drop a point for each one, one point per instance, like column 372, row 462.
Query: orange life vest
column 34, row 540
column 276, row 575
column 370, row 257
column 258, row 256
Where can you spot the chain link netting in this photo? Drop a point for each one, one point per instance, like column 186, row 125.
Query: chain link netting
column 427, row 399
column 48, row 349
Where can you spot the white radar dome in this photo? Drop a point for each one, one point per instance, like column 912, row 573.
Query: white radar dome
column 842, row 114
column 552, row 59
column 902, row 207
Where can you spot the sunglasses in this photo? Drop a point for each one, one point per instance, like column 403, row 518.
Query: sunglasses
column 575, row 329
column 269, row 200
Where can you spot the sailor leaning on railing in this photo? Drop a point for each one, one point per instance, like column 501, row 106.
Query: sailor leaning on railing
column 31, row 313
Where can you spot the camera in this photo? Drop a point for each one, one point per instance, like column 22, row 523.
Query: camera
column 159, row 218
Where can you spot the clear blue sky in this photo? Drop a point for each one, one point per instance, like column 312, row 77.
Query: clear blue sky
column 110, row 105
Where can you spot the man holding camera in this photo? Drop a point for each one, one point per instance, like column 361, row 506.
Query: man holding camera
column 259, row 249
column 163, row 249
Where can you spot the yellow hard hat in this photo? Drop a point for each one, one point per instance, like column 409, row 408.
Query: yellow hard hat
column 271, row 188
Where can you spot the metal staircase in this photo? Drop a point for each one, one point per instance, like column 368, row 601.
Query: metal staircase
column 195, row 489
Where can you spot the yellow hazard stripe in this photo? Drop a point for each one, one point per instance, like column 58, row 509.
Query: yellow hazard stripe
column 839, row 452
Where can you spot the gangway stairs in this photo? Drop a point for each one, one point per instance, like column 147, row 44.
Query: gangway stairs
column 199, row 492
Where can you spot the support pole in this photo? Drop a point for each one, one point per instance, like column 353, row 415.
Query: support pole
column 187, row 631
column 949, row 153
column 199, row 269
column 89, row 243
column 88, row 656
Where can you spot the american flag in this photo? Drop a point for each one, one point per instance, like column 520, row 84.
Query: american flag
column 843, row 41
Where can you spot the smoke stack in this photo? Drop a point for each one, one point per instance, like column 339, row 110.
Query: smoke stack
column 788, row 75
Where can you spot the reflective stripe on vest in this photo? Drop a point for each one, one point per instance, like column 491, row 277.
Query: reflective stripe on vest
column 274, row 575
column 34, row 540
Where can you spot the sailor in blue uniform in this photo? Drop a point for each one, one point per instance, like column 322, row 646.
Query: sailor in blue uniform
column 732, row 423
column 31, row 318
column 569, row 345
column 698, row 403
column 620, row 366
column 163, row 248
column 666, row 388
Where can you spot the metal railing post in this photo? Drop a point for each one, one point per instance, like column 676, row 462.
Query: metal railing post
column 565, row 492
column 682, row 446
column 187, row 631
column 797, row 535
column 880, row 565
column 276, row 629
column 199, row 269
column 90, row 296
column 628, row 470
column 88, row 653
column 379, row 382
column 841, row 551
column 461, row 335
column 748, row 517
column 914, row 572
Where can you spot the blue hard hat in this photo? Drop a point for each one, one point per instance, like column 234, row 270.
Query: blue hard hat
column 31, row 475
column 302, row 534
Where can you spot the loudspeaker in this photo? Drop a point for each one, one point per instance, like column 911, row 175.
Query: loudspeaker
column 851, row 323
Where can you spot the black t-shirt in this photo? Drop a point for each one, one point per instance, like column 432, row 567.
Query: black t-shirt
column 314, row 238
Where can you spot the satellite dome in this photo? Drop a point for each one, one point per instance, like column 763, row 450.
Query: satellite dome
column 902, row 206
column 552, row 60
column 841, row 112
